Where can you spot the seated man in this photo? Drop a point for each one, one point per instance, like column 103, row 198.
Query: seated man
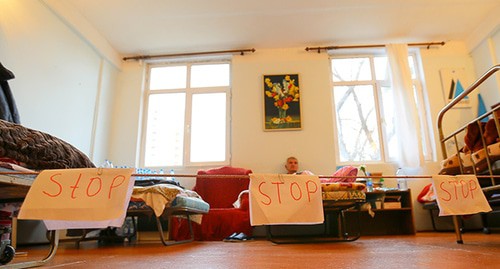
column 292, row 167
column 344, row 174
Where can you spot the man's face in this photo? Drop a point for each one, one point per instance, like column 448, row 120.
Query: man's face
column 292, row 165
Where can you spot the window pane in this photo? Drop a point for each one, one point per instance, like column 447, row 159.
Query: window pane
column 356, row 123
column 353, row 69
column 388, row 110
column 382, row 71
column 170, row 77
column 209, row 75
column 381, row 68
column 411, row 62
column 208, row 130
column 165, row 130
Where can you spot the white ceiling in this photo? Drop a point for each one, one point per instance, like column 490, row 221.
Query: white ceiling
column 172, row 26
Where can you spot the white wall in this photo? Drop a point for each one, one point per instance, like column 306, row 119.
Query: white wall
column 262, row 151
column 485, row 55
column 266, row 151
column 103, row 115
column 452, row 55
column 59, row 76
column 123, row 147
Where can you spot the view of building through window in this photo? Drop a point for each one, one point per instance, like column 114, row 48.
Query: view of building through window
column 186, row 119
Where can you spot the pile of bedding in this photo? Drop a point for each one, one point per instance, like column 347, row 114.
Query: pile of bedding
column 343, row 191
column 37, row 150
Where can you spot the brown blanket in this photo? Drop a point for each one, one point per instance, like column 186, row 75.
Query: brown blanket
column 37, row 150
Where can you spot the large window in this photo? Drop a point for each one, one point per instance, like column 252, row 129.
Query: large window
column 364, row 109
column 186, row 120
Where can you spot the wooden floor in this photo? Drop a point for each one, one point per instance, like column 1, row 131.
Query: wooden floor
column 423, row 250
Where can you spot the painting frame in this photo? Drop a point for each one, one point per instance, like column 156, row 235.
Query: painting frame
column 454, row 82
column 282, row 102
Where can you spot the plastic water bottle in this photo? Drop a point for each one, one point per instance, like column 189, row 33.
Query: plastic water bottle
column 172, row 173
column 369, row 185
column 402, row 184
column 107, row 164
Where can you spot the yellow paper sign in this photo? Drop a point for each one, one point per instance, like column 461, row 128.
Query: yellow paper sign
column 88, row 194
column 459, row 195
column 285, row 199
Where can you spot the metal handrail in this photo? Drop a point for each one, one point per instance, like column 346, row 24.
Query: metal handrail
column 457, row 99
column 442, row 139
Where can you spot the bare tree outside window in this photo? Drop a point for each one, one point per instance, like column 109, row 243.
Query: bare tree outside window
column 358, row 137
column 364, row 108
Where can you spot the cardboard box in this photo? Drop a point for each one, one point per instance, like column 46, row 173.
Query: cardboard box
column 388, row 205
column 392, row 201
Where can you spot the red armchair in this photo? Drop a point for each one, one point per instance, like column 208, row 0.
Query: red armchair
column 223, row 219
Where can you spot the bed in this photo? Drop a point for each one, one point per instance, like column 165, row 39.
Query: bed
column 24, row 152
column 475, row 150
column 161, row 200
column 337, row 198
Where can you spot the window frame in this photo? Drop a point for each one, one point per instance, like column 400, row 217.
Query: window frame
column 429, row 149
column 189, row 92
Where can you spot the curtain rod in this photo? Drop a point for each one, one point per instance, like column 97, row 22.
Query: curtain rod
column 144, row 57
column 427, row 44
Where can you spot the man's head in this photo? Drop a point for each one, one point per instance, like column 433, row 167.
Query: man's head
column 292, row 165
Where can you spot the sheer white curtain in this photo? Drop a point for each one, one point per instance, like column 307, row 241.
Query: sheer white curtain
column 406, row 115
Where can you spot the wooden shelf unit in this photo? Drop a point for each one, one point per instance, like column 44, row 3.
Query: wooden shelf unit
column 390, row 221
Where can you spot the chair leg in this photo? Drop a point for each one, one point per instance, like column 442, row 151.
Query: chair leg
column 457, row 230
column 484, row 222
column 432, row 220
column 170, row 242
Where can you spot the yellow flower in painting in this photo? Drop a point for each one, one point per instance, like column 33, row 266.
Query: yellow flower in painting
column 282, row 94
column 268, row 82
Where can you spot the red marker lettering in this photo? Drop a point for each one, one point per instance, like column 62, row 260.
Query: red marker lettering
column 309, row 190
column 441, row 187
column 90, row 184
column 115, row 186
column 260, row 190
column 472, row 188
column 278, row 189
column 291, row 191
column 74, row 187
column 52, row 178
column 463, row 184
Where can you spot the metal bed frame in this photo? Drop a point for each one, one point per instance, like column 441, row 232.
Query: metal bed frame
column 453, row 137
column 15, row 188
column 330, row 207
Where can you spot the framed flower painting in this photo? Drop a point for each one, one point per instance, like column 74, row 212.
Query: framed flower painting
column 282, row 102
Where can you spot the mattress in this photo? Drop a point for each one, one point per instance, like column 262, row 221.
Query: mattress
column 190, row 202
column 14, row 187
column 161, row 196
column 336, row 192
